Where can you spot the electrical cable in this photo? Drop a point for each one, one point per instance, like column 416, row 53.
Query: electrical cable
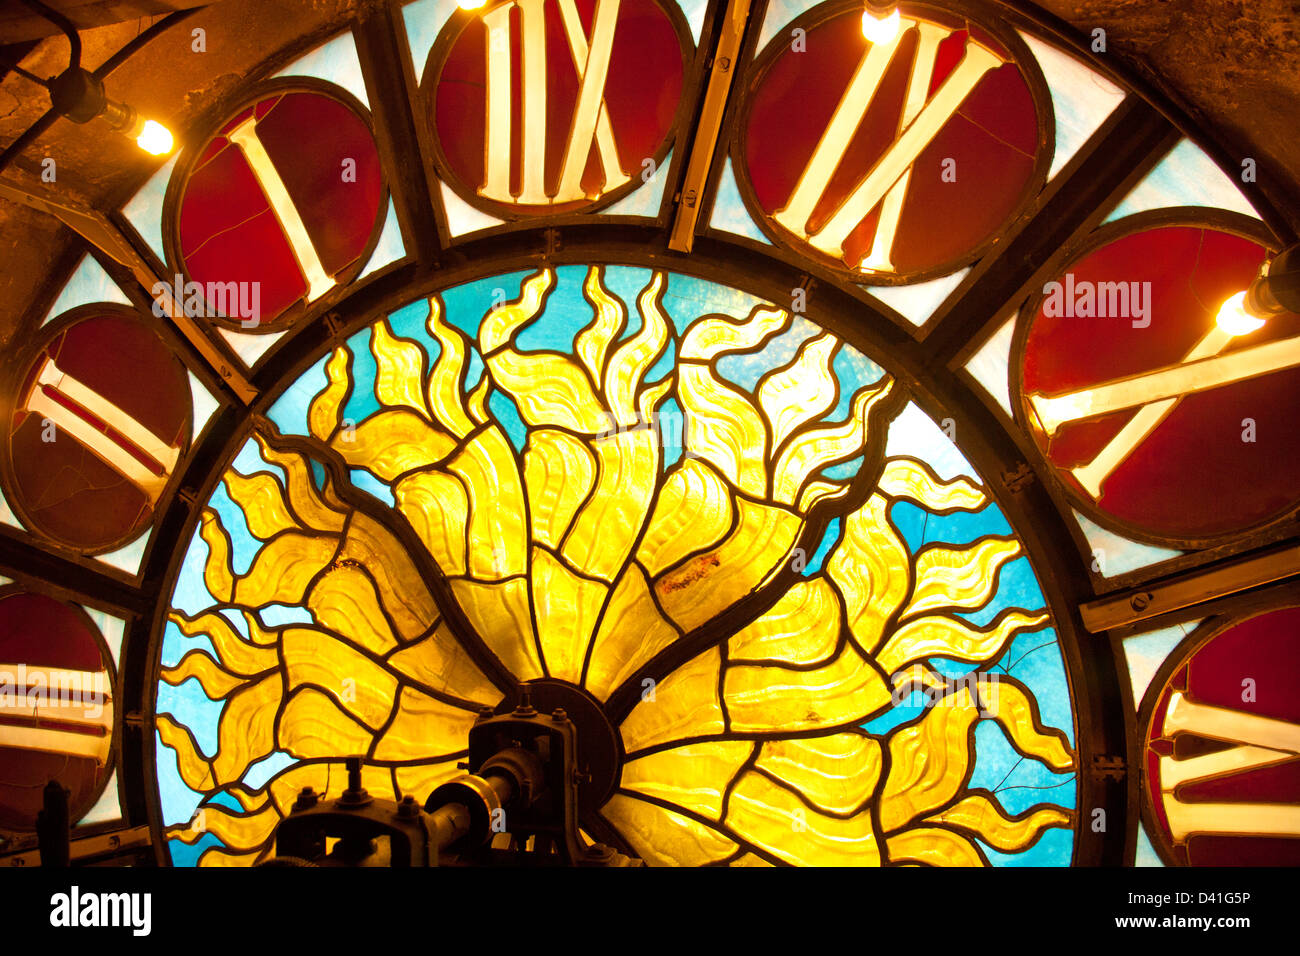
column 32, row 133
column 63, row 23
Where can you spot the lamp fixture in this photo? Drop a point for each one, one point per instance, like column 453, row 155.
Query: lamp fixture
column 79, row 95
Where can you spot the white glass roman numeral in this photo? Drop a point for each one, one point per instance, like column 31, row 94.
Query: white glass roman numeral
column 1157, row 392
column 295, row 231
column 78, row 701
column 1260, row 742
column 57, row 396
column 920, row 122
column 590, row 124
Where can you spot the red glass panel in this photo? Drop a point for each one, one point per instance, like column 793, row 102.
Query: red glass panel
column 642, row 91
column 135, row 391
column 1262, row 651
column 40, row 635
column 1195, row 475
column 227, row 228
column 993, row 140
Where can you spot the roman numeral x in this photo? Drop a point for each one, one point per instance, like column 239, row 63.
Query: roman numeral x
column 920, row 121
column 1157, row 392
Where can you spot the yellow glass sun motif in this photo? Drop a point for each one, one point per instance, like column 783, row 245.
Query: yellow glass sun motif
column 572, row 549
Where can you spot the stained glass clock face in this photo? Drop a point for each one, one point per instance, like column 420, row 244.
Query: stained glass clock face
column 809, row 629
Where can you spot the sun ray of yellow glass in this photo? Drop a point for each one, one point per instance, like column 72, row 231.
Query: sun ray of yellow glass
column 440, row 663
column 392, row 443
column 399, row 369
column 962, row 578
column 933, row 846
column 776, row 699
column 284, row 568
column 558, row 471
column 363, row 689
column 246, row 731
column 871, row 568
column 684, row 704
column 632, row 631
column 344, row 600
column 936, row 636
column 424, row 727
column 662, row 837
column 261, row 499
column 607, row 525
column 838, row 772
column 800, row 391
column 499, row 613
column 566, row 607
column 985, row 819
column 499, row 543
column 722, row 427
column 313, row 725
column 928, row 761
column 692, row 512
column 709, row 583
column 437, row 506
column 775, row 819
column 400, row 585
column 905, row 478
column 694, row 776
column 803, row 627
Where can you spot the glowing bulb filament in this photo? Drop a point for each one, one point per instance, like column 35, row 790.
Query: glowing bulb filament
column 1234, row 319
column 880, row 29
column 155, row 138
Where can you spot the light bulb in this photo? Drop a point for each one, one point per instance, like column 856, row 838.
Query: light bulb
column 470, row 4
column 1235, row 319
column 880, row 29
column 155, row 138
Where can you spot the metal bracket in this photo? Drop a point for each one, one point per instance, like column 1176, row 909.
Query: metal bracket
column 721, row 75
column 1109, row 766
column 85, row 848
column 1190, row 588
column 1018, row 479
column 553, row 242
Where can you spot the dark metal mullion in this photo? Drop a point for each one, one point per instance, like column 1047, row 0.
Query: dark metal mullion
column 32, row 564
column 213, row 377
column 717, row 98
column 758, row 11
column 137, row 684
column 1132, row 141
column 1223, row 586
column 389, row 82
